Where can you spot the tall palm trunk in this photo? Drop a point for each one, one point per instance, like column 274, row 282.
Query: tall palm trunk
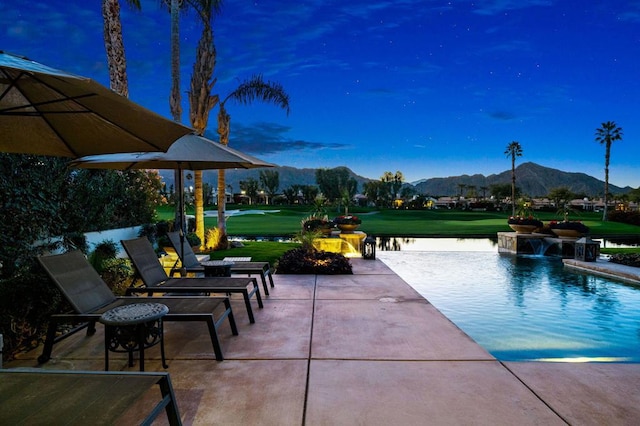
column 115, row 47
column 513, row 185
column 200, row 104
column 607, row 157
column 224, row 121
column 174, row 97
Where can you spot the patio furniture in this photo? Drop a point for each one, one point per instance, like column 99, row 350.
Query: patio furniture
column 82, row 397
column 90, row 297
column 134, row 327
column 217, row 268
column 155, row 279
column 191, row 264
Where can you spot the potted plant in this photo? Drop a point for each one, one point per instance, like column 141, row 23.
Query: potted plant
column 568, row 228
column 347, row 223
column 524, row 224
column 314, row 223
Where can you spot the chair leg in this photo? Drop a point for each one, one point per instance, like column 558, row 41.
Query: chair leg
column 48, row 343
column 270, row 277
column 162, row 355
column 258, row 297
column 247, row 303
column 217, row 349
column 232, row 320
column 264, row 285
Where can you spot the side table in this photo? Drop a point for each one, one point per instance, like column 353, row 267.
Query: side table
column 134, row 327
column 217, row 268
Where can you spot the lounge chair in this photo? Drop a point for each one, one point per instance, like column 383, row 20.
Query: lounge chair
column 155, row 279
column 90, row 297
column 191, row 264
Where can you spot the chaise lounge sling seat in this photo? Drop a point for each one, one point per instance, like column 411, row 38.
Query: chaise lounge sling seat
column 191, row 264
column 155, row 279
column 90, row 297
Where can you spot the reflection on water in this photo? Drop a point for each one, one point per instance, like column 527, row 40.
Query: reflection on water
column 437, row 244
column 526, row 308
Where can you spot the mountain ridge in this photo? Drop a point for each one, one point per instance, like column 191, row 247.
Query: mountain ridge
column 532, row 179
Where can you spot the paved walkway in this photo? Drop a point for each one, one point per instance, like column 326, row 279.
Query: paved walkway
column 362, row 349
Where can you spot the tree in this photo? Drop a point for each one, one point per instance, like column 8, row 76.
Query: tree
column 252, row 89
column 334, row 182
column 250, row 188
column 513, row 150
column 560, row 195
column 114, row 45
column 393, row 182
column 484, row 191
column 270, row 182
column 375, row 190
column 461, row 187
column 201, row 101
column 309, row 193
column 606, row 134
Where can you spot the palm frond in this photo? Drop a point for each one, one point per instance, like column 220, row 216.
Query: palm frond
column 255, row 88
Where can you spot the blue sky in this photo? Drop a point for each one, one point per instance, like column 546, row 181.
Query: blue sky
column 428, row 87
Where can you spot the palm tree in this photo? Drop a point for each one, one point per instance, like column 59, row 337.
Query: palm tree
column 254, row 88
column 174, row 98
column 112, row 29
column 513, row 150
column 607, row 133
column 201, row 101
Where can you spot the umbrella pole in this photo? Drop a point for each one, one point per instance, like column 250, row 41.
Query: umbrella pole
column 181, row 216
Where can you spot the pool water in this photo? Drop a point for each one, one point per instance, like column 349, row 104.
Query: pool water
column 525, row 308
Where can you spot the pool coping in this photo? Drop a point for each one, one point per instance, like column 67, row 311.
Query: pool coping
column 607, row 269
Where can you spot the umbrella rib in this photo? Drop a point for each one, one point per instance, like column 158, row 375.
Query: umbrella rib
column 10, row 111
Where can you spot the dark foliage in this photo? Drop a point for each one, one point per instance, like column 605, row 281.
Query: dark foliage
column 630, row 259
column 520, row 220
column 301, row 261
column 46, row 207
column 628, row 217
column 27, row 300
column 572, row 225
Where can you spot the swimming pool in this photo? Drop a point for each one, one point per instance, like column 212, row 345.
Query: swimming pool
column 524, row 308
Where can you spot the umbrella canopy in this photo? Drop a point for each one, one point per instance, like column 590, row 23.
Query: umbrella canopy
column 190, row 152
column 45, row 111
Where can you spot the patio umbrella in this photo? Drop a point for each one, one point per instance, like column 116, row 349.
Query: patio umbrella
column 46, row 111
column 190, row 152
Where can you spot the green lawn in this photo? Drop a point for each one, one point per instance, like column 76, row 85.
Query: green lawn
column 285, row 221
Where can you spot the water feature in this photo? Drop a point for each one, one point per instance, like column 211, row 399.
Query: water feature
column 523, row 307
column 540, row 245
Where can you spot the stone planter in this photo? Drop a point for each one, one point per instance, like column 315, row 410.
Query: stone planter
column 347, row 228
column 567, row 233
column 523, row 229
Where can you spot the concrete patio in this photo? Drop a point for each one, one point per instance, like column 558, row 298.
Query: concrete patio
column 361, row 349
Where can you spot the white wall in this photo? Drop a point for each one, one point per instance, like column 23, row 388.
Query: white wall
column 95, row 238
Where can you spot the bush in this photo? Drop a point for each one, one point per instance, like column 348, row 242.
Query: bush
column 116, row 273
column 302, row 261
column 629, row 259
column 26, row 302
column 628, row 217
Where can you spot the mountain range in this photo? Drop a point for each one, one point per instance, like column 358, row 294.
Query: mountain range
column 532, row 179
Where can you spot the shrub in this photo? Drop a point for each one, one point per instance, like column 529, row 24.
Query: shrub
column 628, row 217
column 26, row 302
column 302, row 261
column 571, row 224
column 116, row 273
column 629, row 259
column 193, row 239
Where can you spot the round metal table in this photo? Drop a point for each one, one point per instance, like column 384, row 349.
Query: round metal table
column 217, row 268
column 134, row 327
